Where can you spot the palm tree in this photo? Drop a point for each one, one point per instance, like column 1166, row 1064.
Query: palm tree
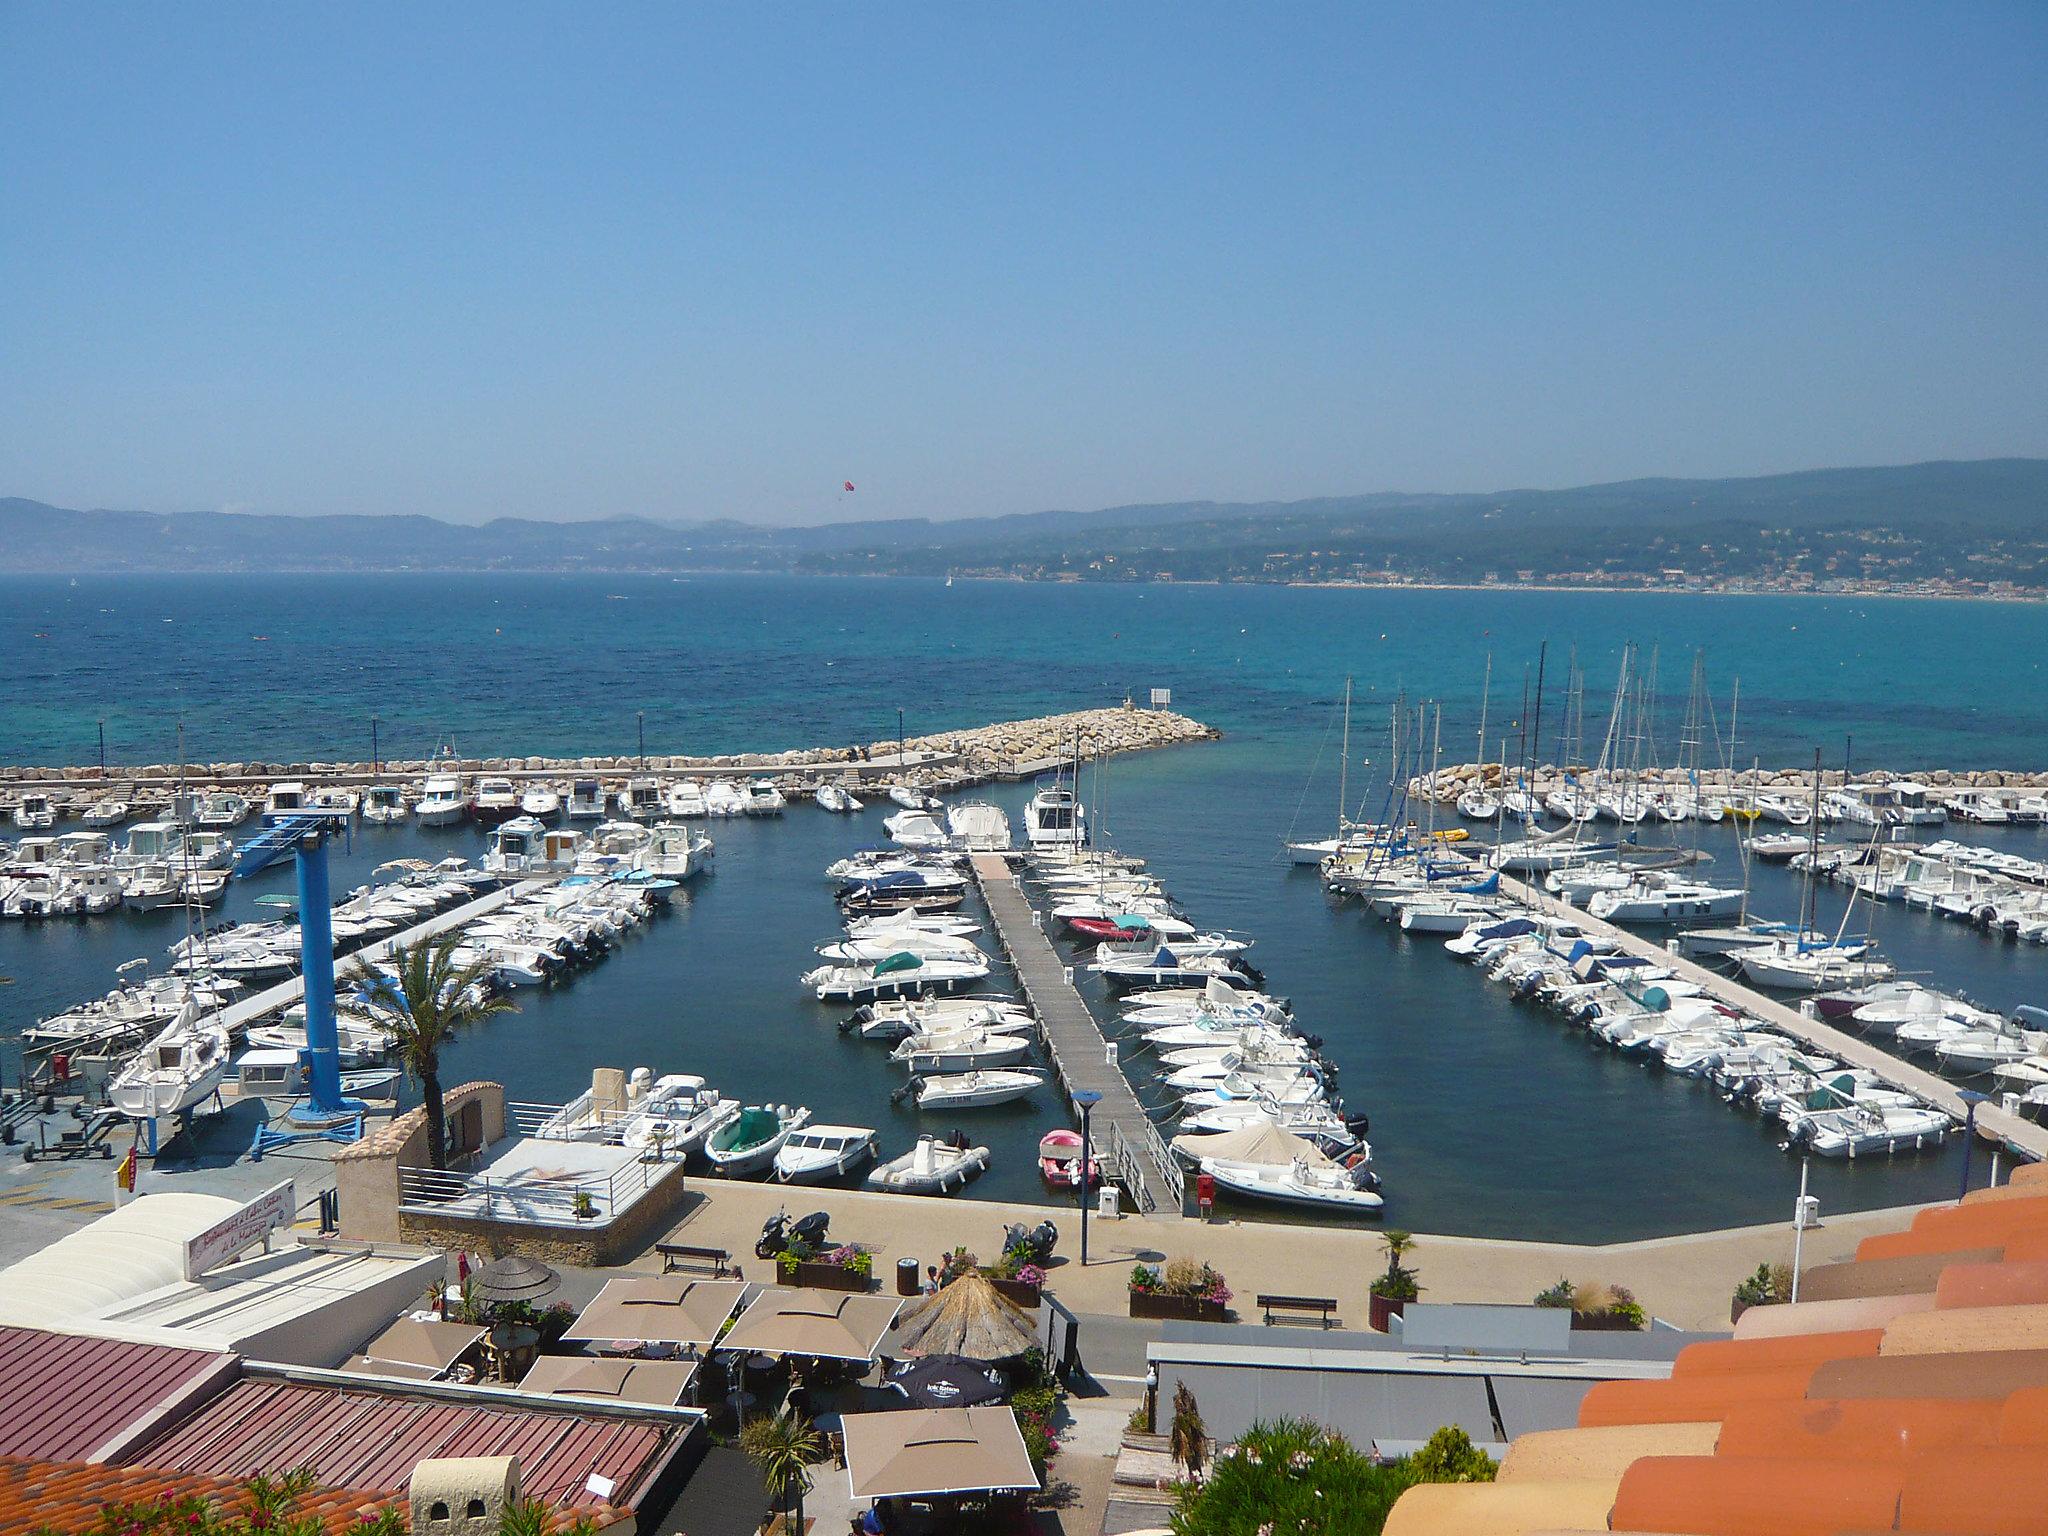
column 783, row 1447
column 426, row 1000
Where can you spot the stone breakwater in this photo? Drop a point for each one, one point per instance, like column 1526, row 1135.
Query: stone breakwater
column 940, row 760
column 1454, row 781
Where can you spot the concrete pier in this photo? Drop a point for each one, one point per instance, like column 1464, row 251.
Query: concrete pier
column 1124, row 1136
column 1856, row 1051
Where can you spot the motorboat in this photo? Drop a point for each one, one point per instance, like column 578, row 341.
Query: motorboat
column 821, row 1152
column 497, row 801
column 1654, row 896
column 1059, row 1161
column 587, row 800
column 762, row 798
column 838, row 799
column 171, row 885
column 901, row 974
column 722, row 797
column 673, row 851
column 269, row 1073
column 979, row 827
column 891, row 941
column 442, row 802
column 640, row 799
column 286, row 798
column 37, row 812
column 543, row 802
column 1311, row 1179
column 749, row 1141
column 899, row 889
column 384, row 805
column 932, row 1167
column 677, row 1116
column 1784, row 811
column 1858, row 1130
column 1162, row 967
column 965, row 1050
column 360, row 1040
column 222, row 810
column 916, row 830
column 912, row 798
column 177, row 1071
column 1054, row 818
column 975, row 1090
column 683, row 798
column 901, row 1019
column 515, row 849
column 954, row 924
column 1777, row 847
column 105, row 813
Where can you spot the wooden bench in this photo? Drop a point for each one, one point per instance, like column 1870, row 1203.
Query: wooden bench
column 1322, row 1304
column 672, row 1254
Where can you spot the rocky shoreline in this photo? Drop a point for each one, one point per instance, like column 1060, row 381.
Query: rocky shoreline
column 941, row 760
column 1451, row 782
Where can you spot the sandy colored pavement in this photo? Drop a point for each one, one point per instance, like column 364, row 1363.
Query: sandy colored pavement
column 1685, row 1280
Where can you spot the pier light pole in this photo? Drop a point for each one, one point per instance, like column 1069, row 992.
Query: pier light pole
column 376, row 760
column 1972, row 1098
column 641, row 715
column 1085, row 1099
column 103, row 749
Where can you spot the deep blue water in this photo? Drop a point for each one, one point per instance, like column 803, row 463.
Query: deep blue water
column 1487, row 1118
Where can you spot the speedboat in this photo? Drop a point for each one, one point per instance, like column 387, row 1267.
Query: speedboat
column 722, row 797
column 180, row 1069
column 836, row 798
column 749, row 1141
column 1858, row 1130
column 914, row 799
column 673, row 851
column 899, row 1020
column 222, row 810
column 1059, row 1161
column 763, row 798
column 891, row 941
column 898, row 889
column 916, row 830
column 967, row 1050
column 684, row 798
column 105, row 813
column 974, row 1090
column 676, row 1116
column 1311, row 1180
column 932, row 1167
column 901, row 974
column 820, row 1152
column 384, row 805
column 542, row 802
column 979, row 827
column 442, row 802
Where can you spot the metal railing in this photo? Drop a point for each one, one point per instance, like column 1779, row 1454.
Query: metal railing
column 554, row 1202
column 574, row 1121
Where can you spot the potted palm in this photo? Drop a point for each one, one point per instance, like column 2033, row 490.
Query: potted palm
column 1390, row 1293
column 783, row 1448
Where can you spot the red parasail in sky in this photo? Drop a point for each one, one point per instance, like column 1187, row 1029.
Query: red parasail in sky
column 849, row 485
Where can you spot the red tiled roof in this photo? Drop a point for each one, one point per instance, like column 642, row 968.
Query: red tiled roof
column 68, row 1496
column 364, row 1438
column 62, row 1397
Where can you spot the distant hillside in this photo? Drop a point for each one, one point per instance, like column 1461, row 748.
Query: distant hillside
column 1979, row 521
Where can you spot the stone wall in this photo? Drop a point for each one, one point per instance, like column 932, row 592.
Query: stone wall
column 366, row 1174
column 585, row 1244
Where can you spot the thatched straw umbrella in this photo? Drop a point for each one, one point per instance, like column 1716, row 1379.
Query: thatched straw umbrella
column 967, row 1317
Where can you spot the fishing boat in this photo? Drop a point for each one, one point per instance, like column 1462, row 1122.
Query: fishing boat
column 901, row 974
column 442, row 802
column 820, row 1152
column 837, row 799
column 749, row 1141
column 286, row 798
column 383, row 805
column 37, row 812
column 932, row 1167
column 179, row 1070
column 1059, row 1161
column 105, row 813
column 974, row 1090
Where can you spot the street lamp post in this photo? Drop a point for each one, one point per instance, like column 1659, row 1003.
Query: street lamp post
column 1972, row 1099
column 641, row 716
column 376, row 757
column 1086, row 1099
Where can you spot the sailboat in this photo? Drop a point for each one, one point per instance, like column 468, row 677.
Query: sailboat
column 1319, row 849
column 1798, row 965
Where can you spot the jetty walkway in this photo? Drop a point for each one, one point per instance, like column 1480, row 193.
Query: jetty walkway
column 2023, row 1135
column 1125, row 1138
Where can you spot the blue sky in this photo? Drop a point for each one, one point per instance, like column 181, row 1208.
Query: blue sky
column 690, row 261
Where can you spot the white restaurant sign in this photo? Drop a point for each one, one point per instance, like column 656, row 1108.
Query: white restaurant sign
column 240, row 1229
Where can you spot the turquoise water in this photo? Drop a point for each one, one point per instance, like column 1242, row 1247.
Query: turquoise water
column 1487, row 1118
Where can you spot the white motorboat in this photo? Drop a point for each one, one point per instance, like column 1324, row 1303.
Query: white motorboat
column 286, row 798
column 442, row 801
column 541, row 801
column 899, row 1020
column 762, row 798
column 892, row 941
column 515, row 849
column 901, row 974
column 674, row 851
column 820, row 1152
column 838, row 799
column 684, row 798
column 1788, row 967
column 384, row 805
column 952, row 923
column 1162, row 967
column 105, row 813
column 1858, row 1130
column 979, row 827
column 676, row 1115
column 913, row 799
column 497, row 800
column 1054, row 818
column 179, row 1070
column 222, row 810
column 1784, row 811
column 916, row 830
column 1654, row 896
column 974, row 1090
column 587, row 800
column 1311, row 1180
column 965, row 1050
column 360, row 1041
column 932, row 1167
column 37, row 812
column 722, row 797
column 749, row 1141
column 640, row 800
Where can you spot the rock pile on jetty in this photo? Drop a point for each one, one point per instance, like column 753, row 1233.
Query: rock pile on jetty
column 1453, row 781
column 942, row 759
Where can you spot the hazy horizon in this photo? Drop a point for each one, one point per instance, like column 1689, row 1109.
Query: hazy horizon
column 693, row 263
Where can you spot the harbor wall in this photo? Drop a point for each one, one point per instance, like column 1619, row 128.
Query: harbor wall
column 1456, row 779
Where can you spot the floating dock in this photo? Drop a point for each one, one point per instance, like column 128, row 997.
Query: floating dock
column 1124, row 1135
column 2023, row 1135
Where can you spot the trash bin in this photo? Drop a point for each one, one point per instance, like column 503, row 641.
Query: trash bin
column 906, row 1277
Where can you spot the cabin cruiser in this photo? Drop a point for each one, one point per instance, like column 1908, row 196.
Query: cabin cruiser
column 932, row 1167
column 684, row 798
column 640, row 800
column 287, row 798
column 613, row 847
column 179, row 1070
column 836, row 798
column 1054, row 818
column 676, row 1116
column 37, row 812
column 901, row 974
column 673, row 851
column 820, row 1152
column 749, row 1141
column 979, row 827
column 1653, row 896
column 497, row 801
column 172, row 885
column 762, row 798
column 722, row 797
column 384, row 805
column 105, row 813
column 543, row 802
column 587, row 800
column 441, row 802
column 222, row 810
column 515, row 849
column 974, row 1090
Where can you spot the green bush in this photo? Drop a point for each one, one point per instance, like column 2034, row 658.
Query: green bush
column 1562, row 1294
column 1449, row 1456
column 1291, row 1476
column 1769, row 1285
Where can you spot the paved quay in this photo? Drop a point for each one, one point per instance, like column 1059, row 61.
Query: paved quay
column 1074, row 1041
column 2024, row 1135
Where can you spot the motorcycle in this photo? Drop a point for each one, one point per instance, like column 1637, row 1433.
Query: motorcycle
column 1036, row 1241
column 779, row 1234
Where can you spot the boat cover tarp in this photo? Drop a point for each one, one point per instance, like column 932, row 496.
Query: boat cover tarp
column 1262, row 1142
column 902, row 960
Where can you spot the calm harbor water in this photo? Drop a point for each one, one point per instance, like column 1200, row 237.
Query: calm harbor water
column 1487, row 1117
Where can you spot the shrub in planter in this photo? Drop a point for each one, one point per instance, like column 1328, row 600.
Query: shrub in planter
column 1392, row 1290
column 1596, row 1306
column 1184, row 1288
column 1770, row 1285
column 845, row 1268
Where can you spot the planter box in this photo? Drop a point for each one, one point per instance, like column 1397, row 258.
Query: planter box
column 823, row 1277
column 1184, row 1309
column 1381, row 1310
column 1603, row 1322
column 1021, row 1292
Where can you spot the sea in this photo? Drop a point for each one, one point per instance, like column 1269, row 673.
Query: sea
column 1488, row 1118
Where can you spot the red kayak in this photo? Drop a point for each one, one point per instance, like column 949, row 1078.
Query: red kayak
column 1103, row 930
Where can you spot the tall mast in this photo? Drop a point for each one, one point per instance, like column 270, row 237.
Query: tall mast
column 1344, row 767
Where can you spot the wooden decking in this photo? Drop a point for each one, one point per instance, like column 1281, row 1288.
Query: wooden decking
column 2023, row 1135
column 1074, row 1041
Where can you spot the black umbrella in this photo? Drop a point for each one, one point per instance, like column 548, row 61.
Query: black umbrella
column 514, row 1278
column 947, row 1381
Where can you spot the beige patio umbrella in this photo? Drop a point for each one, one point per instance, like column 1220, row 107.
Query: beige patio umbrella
column 659, row 1309
column 820, row 1325
column 970, row 1317
column 935, row 1451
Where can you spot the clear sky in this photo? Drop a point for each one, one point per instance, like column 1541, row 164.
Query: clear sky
column 688, row 260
